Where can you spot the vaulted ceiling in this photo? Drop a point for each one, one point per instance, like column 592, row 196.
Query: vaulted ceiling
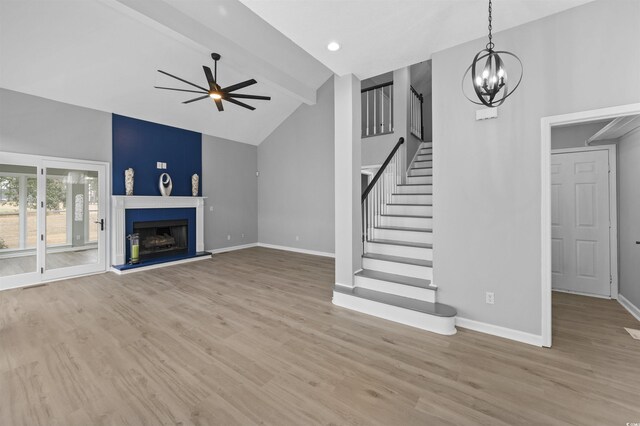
column 104, row 54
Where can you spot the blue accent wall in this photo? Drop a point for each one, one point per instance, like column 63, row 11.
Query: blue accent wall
column 141, row 144
column 139, row 215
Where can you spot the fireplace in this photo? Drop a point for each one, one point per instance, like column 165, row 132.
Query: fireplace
column 162, row 238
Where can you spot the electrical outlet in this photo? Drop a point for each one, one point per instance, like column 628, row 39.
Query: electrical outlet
column 210, row 208
column 241, row 235
column 228, row 237
column 297, row 237
column 490, row 298
column 164, row 165
column 158, row 165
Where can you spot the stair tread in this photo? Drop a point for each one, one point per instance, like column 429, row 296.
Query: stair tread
column 415, row 184
column 398, row 259
column 420, row 168
column 412, row 193
column 407, row 215
column 400, row 243
column 436, row 309
column 409, row 204
column 395, row 278
column 404, row 228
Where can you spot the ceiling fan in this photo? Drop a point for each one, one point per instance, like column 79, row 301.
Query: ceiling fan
column 215, row 92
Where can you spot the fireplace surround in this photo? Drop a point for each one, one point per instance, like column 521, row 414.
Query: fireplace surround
column 123, row 208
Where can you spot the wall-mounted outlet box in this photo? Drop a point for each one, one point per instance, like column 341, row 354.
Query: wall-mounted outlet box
column 241, row 235
column 297, row 237
column 228, row 237
column 486, row 113
column 210, row 208
column 490, row 298
column 158, row 165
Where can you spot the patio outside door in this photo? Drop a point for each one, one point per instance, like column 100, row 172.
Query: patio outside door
column 52, row 219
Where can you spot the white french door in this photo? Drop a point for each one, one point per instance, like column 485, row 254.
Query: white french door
column 52, row 219
column 581, row 222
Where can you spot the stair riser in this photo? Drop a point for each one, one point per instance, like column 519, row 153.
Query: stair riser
column 409, row 210
column 407, row 222
column 415, row 271
column 428, row 163
column 402, row 251
column 425, row 157
column 426, row 294
column 412, row 189
column 420, row 172
column 411, row 199
column 426, row 145
column 420, row 179
column 435, row 324
column 409, row 236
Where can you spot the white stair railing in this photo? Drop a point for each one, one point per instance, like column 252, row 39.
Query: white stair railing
column 379, row 191
column 415, row 114
column 377, row 110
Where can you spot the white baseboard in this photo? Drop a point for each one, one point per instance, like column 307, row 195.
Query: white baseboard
column 579, row 293
column 232, row 248
column 297, row 250
column 495, row 330
column 633, row 309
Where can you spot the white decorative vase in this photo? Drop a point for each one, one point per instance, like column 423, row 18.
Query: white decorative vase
column 195, row 180
column 128, row 181
column 165, row 184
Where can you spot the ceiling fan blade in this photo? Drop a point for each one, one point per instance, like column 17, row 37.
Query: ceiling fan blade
column 196, row 99
column 239, row 86
column 239, row 95
column 178, row 90
column 210, row 79
column 184, row 81
column 219, row 104
column 233, row 101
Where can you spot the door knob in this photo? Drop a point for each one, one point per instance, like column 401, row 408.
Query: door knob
column 101, row 222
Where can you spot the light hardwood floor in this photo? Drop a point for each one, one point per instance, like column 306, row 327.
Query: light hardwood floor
column 251, row 337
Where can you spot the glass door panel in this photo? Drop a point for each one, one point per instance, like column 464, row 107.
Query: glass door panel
column 18, row 219
column 73, row 222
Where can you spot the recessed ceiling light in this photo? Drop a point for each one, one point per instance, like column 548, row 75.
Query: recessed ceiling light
column 333, row 46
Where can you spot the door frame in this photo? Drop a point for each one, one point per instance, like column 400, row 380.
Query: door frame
column 546, row 123
column 613, row 211
column 39, row 161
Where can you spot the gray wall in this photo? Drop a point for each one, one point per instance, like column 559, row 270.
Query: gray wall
column 487, row 173
column 230, row 183
column 296, row 183
column 574, row 136
column 629, row 217
column 38, row 126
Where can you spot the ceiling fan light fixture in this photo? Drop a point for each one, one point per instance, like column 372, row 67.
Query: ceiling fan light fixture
column 491, row 85
column 215, row 91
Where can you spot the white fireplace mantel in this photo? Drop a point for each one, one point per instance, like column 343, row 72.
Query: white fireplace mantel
column 120, row 203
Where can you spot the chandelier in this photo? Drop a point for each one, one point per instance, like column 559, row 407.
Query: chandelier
column 491, row 84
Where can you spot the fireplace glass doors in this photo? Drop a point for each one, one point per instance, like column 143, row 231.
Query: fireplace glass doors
column 162, row 238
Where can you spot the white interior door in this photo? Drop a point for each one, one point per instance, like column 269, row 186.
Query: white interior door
column 580, row 222
column 73, row 213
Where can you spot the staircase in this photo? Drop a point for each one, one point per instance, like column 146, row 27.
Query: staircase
column 395, row 282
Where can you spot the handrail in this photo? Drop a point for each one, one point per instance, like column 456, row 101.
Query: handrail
column 381, row 170
column 377, row 86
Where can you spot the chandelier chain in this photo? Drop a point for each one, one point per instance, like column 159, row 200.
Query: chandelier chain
column 490, row 45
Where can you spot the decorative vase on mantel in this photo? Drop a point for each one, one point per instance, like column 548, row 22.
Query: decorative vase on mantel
column 195, row 180
column 165, row 184
column 128, row 181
